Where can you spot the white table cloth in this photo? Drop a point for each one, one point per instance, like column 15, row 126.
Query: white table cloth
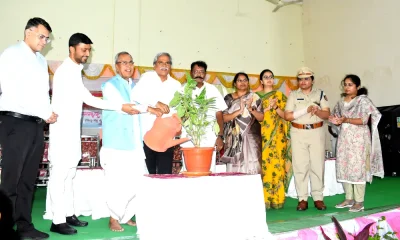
column 332, row 187
column 89, row 195
column 211, row 207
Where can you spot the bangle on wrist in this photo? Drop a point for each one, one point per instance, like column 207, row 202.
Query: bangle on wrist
column 275, row 108
column 348, row 120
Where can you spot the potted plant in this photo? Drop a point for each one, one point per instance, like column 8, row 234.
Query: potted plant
column 193, row 112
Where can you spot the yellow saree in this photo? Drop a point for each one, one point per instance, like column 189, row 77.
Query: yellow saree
column 276, row 162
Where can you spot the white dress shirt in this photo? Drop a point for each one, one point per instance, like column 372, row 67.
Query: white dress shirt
column 150, row 90
column 24, row 81
column 69, row 94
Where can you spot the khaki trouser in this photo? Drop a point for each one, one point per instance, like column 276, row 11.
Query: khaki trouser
column 354, row 192
column 308, row 158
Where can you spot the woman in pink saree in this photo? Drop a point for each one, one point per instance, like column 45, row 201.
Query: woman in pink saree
column 359, row 155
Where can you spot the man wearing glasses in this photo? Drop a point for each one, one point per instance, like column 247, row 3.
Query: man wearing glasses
column 69, row 94
column 307, row 108
column 121, row 155
column 156, row 89
column 23, row 113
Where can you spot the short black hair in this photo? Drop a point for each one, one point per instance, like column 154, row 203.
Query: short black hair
column 200, row 64
column 78, row 38
column 34, row 22
column 237, row 76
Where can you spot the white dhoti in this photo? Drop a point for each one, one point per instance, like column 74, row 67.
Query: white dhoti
column 123, row 171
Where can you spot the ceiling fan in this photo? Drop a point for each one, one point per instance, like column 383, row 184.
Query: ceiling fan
column 282, row 3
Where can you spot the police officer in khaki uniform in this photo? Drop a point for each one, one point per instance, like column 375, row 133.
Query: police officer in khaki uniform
column 306, row 109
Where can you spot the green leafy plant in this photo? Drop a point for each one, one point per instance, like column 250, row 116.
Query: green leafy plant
column 363, row 234
column 193, row 110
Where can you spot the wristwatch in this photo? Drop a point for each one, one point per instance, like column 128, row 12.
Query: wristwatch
column 221, row 136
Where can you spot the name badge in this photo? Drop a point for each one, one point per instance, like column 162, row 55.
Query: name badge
column 300, row 99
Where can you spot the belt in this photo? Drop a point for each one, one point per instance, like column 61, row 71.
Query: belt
column 308, row 126
column 22, row 116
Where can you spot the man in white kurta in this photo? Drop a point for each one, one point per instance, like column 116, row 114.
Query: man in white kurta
column 122, row 156
column 69, row 94
column 156, row 89
column 198, row 71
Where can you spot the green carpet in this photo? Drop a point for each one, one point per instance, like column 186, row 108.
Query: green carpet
column 381, row 195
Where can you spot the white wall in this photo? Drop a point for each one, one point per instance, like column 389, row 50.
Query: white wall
column 231, row 35
column 354, row 36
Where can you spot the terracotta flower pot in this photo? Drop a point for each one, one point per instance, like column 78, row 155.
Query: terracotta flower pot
column 198, row 160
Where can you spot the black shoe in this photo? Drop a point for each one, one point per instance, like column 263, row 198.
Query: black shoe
column 63, row 228
column 33, row 234
column 74, row 221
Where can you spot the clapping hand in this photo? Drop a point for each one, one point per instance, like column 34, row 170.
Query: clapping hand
column 312, row 109
column 336, row 120
column 273, row 102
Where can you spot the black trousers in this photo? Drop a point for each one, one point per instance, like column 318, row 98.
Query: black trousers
column 158, row 162
column 22, row 149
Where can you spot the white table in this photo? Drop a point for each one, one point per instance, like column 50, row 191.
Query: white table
column 332, row 187
column 89, row 195
column 211, row 207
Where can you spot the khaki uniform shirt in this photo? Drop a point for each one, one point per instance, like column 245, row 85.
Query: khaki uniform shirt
column 298, row 100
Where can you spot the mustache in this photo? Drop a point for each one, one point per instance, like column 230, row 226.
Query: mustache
column 164, row 68
column 198, row 77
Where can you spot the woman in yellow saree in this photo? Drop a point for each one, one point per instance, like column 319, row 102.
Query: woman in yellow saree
column 276, row 162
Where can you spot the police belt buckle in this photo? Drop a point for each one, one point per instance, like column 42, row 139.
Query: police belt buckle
column 308, row 126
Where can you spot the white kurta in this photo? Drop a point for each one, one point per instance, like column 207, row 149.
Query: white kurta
column 69, row 93
column 150, row 90
column 210, row 137
column 122, row 168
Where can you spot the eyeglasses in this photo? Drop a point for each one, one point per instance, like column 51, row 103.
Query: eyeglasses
column 199, row 72
column 125, row 63
column 242, row 80
column 268, row 77
column 164, row 63
column 41, row 37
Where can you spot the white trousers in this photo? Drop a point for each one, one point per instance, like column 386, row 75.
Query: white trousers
column 60, row 194
column 123, row 171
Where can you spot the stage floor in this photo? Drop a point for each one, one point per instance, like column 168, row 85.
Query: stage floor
column 381, row 195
